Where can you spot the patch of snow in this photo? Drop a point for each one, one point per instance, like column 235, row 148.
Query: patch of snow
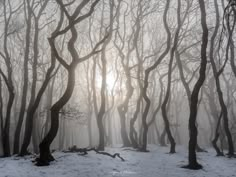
column 156, row 163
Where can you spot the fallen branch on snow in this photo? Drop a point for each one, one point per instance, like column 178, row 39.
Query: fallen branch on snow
column 84, row 151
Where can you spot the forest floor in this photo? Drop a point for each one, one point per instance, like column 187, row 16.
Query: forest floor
column 156, row 163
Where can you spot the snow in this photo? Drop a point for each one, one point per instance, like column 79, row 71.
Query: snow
column 156, row 163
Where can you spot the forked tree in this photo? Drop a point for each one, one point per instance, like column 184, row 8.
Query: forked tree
column 8, row 14
column 193, row 132
column 148, row 72
column 73, row 19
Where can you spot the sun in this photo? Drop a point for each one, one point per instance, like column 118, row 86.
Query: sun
column 110, row 82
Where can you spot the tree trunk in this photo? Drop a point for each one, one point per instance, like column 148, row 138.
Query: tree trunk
column 35, row 139
column 49, row 105
column 214, row 141
column 168, row 91
column 45, row 154
column 33, row 108
column 90, row 128
column 123, row 109
column 132, row 121
column 1, row 107
column 25, row 84
column 162, row 138
column 157, row 133
column 9, row 83
column 5, row 135
column 193, row 164
column 122, row 112
column 218, row 86
column 147, row 73
column 101, row 112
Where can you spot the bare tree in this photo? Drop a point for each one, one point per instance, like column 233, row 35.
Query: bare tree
column 102, row 109
column 146, row 77
column 29, row 15
column 75, row 18
column 35, row 99
column 193, row 164
column 172, row 52
column 7, row 77
column 218, row 86
column 125, row 62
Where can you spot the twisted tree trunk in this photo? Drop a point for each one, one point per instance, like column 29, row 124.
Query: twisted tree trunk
column 193, row 164
column 45, row 154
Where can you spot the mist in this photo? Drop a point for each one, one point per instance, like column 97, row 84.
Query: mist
column 134, row 74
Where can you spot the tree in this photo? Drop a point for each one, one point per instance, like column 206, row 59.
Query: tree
column 45, row 154
column 172, row 52
column 35, row 100
column 193, row 164
column 102, row 109
column 7, row 77
column 146, row 77
column 218, row 86
column 125, row 62
column 25, row 76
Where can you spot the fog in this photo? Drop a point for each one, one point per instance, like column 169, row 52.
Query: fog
column 102, row 73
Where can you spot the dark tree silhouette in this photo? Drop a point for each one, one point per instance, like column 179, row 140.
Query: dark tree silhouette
column 45, row 154
column 146, row 77
column 218, row 86
column 35, row 100
column 7, row 77
column 102, row 109
column 25, row 76
column 193, row 164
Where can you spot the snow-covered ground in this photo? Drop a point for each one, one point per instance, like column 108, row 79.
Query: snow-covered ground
column 156, row 163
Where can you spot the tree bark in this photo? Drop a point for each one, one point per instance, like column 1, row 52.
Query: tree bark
column 102, row 109
column 218, row 86
column 9, row 83
column 25, row 76
column 168, row 91
column 193, row 164
column 214, row 141
column 45, row 154
column 146, row 77
column 32, row 109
